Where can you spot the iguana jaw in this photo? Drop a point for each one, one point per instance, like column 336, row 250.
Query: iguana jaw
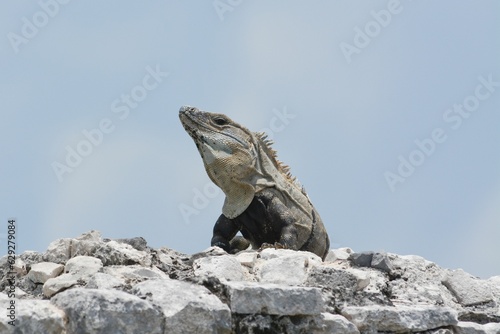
column 228, row 153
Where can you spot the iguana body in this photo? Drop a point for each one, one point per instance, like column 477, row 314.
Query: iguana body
column 262, row 200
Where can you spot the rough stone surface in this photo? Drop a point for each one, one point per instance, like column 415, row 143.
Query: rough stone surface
column 363, row 259
column 381, row 261
column 468, row 289
column 78, row 271
column 42, row 271
column 33, row 316
column 334, row 323
column 58, row 251
column 285, row 266
column 187, row 308
column 224, row 267
column 108, row 311
column 474, row 328
column 268, row 298
column 124, row 286
column 400, row 319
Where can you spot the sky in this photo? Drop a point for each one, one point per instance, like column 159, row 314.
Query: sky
column 386, row 111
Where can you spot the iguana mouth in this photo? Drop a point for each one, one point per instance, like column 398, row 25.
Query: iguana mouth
column 192, row 125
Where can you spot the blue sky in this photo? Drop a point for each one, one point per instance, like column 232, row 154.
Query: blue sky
column 354, row 94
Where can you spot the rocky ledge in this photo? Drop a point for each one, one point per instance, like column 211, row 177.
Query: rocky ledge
column 94, row 285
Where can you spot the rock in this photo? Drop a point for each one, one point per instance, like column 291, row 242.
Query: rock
column 187, row 308
column 42, row 271
column 140, row 289
column 362, row 278
column 138, row 243
column 363, row 259
column 381, row 261
column 268, row 298
column 78, row 272
column 320, row 324
column 473, row 328
column 60, row 283
column 19, row 267
column 115, row 253
column 247, row 258
column 224, row 267
column 58, row 251
column 399, row 319
column 287, row 267
column 134, row 272
column 104, row 281
column 34, row 317
column 83, row 265
column 92, row 311
column 341, row 254
column 335, row 323
column 468, row 289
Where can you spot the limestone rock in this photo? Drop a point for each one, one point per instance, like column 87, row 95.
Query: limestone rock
column 400, row 319
column 187, row 308
column 34, row 317
column 78, row 272
column 136, row 273
column 362, row 259
column 91, row 311
column 42, row 271
column 116, row 253
column 20, row 267
column 104, row 281
column 224, row 267
column 268, row 298
column 341, row 254
column 468, row 289
column 473, row 328
column 58, row 251
column 283, row 266
column 83, row 265
column 335, row 323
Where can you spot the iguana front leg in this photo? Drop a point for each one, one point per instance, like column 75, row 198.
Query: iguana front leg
column 224, row 231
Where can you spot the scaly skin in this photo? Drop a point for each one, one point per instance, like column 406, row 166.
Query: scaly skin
column 262, row 200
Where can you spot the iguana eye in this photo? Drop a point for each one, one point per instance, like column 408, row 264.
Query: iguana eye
column 220, row 121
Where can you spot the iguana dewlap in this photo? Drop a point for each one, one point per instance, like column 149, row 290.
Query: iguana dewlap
column 262, row 200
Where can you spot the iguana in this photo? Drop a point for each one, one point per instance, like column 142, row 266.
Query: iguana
column 263, row 200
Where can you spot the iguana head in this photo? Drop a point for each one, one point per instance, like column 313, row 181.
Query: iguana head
column 231, row 155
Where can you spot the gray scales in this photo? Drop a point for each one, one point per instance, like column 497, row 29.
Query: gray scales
column 263, row 201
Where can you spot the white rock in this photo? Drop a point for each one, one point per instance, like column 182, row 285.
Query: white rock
column 117, row 253
column 58, row 251
column 268, row 298
column 287, row 267
column 60, row 283
column 247, row 258
column 19, row 267
column 225, row 268
column 472, row 328
column 362, row 277
column 34, row 317
column 104, row 281
column 468, row 289
column 187, row 308
column 135, row 272
column 79, row 270
column 399, row 319
column 341, row 254
column 42, row 271
column 335, row 323
column 83, row 265
column 92, row 311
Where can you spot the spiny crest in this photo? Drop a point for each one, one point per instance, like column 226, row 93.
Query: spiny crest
column 267, row 144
